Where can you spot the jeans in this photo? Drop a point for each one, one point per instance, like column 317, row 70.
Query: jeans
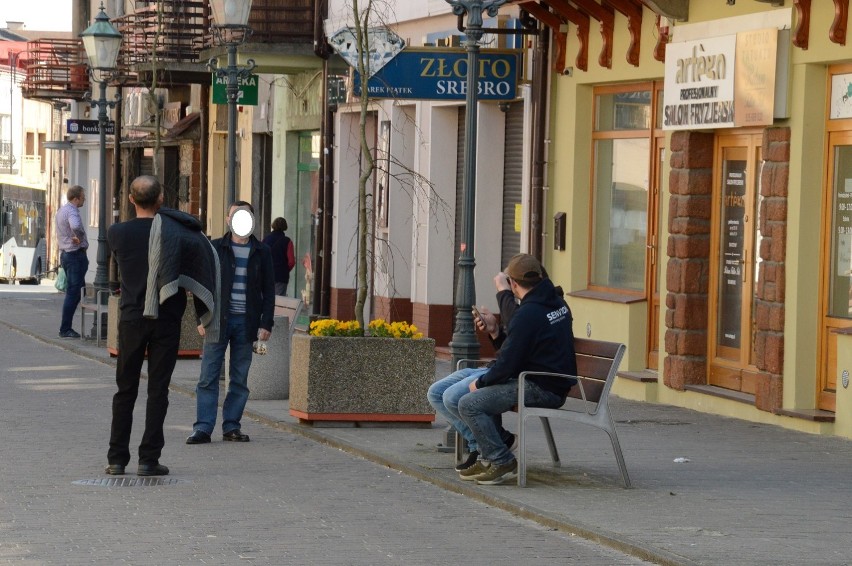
column 75, row 264
column 207, row 390
column 444, row 395
column 161, row 339
column 478, row 409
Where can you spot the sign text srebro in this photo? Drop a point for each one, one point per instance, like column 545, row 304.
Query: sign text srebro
column 442, row 75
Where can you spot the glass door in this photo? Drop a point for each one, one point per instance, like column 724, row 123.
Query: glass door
column 734, row 262
column 837, row 261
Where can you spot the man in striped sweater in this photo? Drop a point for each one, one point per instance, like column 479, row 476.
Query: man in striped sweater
column 247, row 306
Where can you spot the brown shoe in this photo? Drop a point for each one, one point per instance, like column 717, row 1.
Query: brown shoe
column 470, row 474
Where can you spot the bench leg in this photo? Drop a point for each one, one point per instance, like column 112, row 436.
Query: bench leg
column 551, row 444
column 619, row 457
column 460, row 444
column 521, row 454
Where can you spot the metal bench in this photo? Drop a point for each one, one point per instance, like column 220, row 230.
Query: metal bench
column 588, row 401
column 94, row 301
column 291, row 308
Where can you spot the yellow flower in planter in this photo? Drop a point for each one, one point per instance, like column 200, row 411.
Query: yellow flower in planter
column 382, row 329
column 377, row 328
column 333, row 327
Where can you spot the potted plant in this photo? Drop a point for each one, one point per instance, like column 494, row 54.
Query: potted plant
column 338, row 372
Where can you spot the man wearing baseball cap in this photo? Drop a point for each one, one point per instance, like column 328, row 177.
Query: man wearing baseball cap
column 539, row 338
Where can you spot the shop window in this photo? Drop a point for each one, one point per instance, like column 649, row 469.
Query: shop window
column 622, row 139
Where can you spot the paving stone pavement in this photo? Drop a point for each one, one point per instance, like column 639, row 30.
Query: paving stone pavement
column 749, row 494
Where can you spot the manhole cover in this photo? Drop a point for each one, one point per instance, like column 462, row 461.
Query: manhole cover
column 129, row 482
column 652, row 421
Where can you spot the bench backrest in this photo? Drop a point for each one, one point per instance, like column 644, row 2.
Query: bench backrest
column 289, row 307
column 594, row 367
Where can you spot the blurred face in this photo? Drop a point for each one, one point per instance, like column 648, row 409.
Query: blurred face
column 80, row 200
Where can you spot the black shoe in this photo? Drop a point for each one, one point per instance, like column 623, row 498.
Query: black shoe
column 152, row 470
column 198, row 437
column 114, row 470
column 235, row 436
column 69, row 334
column 471, row 460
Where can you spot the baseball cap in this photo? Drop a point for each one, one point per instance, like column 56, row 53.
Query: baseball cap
column 524, row 267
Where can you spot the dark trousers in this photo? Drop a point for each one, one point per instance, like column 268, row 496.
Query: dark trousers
column 161, row 339
column 75, row 265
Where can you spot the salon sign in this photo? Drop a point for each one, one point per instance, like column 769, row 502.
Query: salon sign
column 721, row 82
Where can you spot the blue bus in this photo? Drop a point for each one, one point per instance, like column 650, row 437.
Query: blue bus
column 23, row 247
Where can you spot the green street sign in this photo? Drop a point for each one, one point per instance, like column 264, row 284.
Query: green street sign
column 247, row 95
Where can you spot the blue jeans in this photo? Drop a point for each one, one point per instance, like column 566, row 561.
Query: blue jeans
column 207, row 391
column 444, row 395
column 478, row 409
column 75, row 264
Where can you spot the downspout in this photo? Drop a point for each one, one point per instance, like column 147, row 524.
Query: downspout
column 203, row 143
column 539, row 147
column 116, row 191
column 325, row 204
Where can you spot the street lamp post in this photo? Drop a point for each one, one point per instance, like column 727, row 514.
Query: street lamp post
column 464, row 344
column 102, row 42
column 230, row 18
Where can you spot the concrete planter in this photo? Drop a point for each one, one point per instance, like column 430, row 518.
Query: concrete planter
column 361, row 379
column 191, row 343
column 269, row 375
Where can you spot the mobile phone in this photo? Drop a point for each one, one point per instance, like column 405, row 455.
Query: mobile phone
column 475, row 311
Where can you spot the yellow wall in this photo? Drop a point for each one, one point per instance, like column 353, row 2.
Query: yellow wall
column 569, row 182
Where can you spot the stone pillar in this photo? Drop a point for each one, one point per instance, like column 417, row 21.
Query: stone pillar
column 688, row 269
column 769, row 294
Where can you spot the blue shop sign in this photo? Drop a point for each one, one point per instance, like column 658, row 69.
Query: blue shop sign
column 428, row 74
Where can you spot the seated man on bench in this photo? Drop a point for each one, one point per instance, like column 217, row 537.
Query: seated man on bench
column 539, row 338
column 444, row 394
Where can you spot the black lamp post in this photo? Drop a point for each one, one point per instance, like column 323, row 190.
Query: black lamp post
column 230, row 18
column 464, row 343
column 102, row 42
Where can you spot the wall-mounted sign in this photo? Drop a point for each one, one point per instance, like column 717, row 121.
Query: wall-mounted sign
column 441, row 74
column 699, row 84
column 247, row 94
column 841, row 96
column 721, row 82
column 89, row 127
column 754, row 80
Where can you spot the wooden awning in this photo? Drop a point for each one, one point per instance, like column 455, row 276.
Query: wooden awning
column 580, row 13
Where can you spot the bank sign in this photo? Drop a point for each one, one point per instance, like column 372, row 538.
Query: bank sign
column 426, row 74
column 721, row 82
column 89, row 127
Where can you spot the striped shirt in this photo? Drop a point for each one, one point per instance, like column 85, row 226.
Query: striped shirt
column 69, row 224
column 238, row 290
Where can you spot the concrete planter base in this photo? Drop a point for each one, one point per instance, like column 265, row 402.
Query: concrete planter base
column 269, row 375
column 357, row 380
column 191, row 343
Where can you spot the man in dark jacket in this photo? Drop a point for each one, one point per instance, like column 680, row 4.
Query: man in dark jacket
column 539, row 338
column 156, row 335
column 247, row 306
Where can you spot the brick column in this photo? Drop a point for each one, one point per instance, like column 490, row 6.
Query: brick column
column 688, row 269
column 769, row 294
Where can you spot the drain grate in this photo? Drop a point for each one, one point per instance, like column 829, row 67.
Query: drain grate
column 129, row 482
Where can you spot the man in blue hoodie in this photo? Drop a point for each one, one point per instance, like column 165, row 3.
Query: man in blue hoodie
column 539, row 338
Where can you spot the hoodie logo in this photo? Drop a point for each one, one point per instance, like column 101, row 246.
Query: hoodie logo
column 557, row 315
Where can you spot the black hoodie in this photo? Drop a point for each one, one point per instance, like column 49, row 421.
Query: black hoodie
column 539, row 338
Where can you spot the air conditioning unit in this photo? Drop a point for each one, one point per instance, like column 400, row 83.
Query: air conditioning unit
column 136, row 109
